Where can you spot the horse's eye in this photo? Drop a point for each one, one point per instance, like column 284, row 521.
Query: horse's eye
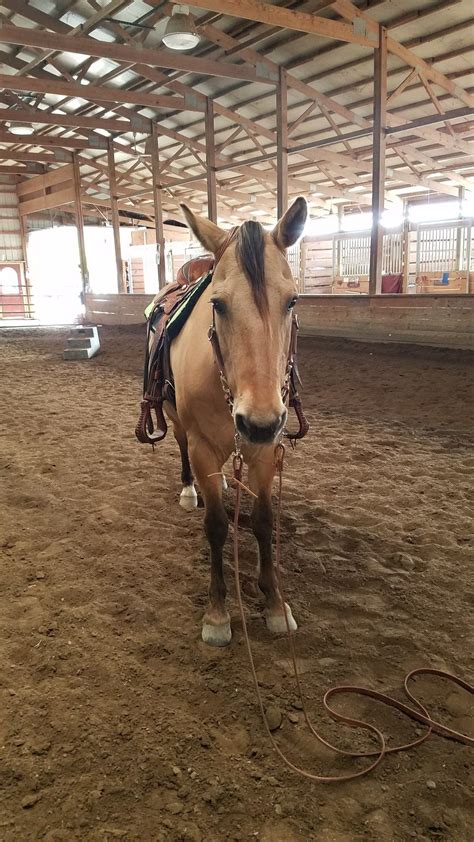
column 218, row 305
column 292, row 303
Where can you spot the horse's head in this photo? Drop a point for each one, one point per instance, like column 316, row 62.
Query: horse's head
column 253, row 294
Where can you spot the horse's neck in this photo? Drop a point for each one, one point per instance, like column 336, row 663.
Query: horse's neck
column 191, row 352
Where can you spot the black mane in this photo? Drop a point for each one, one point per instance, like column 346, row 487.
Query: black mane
column 250, row 252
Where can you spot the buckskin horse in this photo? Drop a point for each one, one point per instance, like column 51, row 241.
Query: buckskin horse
column 247, row 367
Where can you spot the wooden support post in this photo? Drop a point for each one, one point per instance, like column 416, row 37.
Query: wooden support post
column 26, row 279
column 468, row 257
column 160, row 237
column 337, row 263
column 282, row 143
column 378, row 166
column 303, row 256
column 121, row 285
column 80, row 224
column 460, row 232
column 405, row 247
column 211, row 163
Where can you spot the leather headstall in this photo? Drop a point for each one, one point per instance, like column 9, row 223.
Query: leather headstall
column 158, row 383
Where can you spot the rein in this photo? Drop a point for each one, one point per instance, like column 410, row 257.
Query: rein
column 419, row 714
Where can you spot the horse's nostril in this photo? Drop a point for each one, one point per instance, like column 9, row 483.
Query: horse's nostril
column 258, row 433
column 240, row 422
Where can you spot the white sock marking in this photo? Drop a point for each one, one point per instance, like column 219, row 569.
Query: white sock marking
column 276, row 623
column 188, row 498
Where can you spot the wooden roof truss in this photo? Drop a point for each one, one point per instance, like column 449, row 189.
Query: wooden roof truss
column 105, row 86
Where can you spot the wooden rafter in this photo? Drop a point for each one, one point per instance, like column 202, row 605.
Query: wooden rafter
column 404, row 84
column 240, row 178
column 347, row 10
column 261, row 12
column 434, row 99
column 95, row 93
column 127, row 54
column 222, row 39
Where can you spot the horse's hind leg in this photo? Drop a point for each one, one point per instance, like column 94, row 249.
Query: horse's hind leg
column 188, row 497
column 260, row 478
column 216, row 629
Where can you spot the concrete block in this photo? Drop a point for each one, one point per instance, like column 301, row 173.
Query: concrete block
column 78, row 331
column 76, row 354
column 83, row 343
column 79, row 343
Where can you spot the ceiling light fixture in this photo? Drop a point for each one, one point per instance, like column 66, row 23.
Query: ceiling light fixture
column 180, row 32
column 18, row 128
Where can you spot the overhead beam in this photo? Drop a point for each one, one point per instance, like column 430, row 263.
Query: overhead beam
column 136, row 67
column 154, row 75
column 95, row 93
column 343, row 165
column 58, row 156
column 82, row 29
column 347, row 10
column 130, row 55
column 19, row 169
column 47, row 140
column 403, row 84
column 227, row 42
column 141, row 125
column 249, row 55
column 432, row 120
column 286, row 19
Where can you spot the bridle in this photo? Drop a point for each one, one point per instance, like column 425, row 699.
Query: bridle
column 158, row 378
column 289, row 392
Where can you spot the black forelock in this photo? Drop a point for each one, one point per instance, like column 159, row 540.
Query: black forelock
column 250, row 252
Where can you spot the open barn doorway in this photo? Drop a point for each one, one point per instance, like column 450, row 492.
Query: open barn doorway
column 54, row 267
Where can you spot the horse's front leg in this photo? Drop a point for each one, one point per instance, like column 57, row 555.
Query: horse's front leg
column 188, row 498
column 261, row 473
column 216, row 629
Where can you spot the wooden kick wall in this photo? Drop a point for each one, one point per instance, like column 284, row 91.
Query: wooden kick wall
column 446, row 321
column 116, row 308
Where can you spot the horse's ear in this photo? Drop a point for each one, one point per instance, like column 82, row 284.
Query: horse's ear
column 291, row 225
column 208, row 233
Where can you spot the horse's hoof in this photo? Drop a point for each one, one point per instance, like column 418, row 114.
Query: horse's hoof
column 276, row 623
column 188, row 498
column 217, row 635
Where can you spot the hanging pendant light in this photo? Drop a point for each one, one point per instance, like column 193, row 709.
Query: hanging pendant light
column 15, row 127
column 180, row 32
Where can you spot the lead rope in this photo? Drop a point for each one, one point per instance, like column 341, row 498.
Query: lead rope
column 420, row 715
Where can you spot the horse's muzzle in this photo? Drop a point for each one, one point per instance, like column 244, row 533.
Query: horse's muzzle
column 259, row 432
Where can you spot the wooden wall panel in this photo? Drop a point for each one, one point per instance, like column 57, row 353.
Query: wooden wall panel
column 40, row 182
column 52, row 200
column 444, row 321
column 441, row 320
column 116, row 308
column 316, row 266
column 43, row 192
column 137, row 273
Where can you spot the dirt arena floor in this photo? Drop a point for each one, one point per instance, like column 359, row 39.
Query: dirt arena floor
column 115, row 721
